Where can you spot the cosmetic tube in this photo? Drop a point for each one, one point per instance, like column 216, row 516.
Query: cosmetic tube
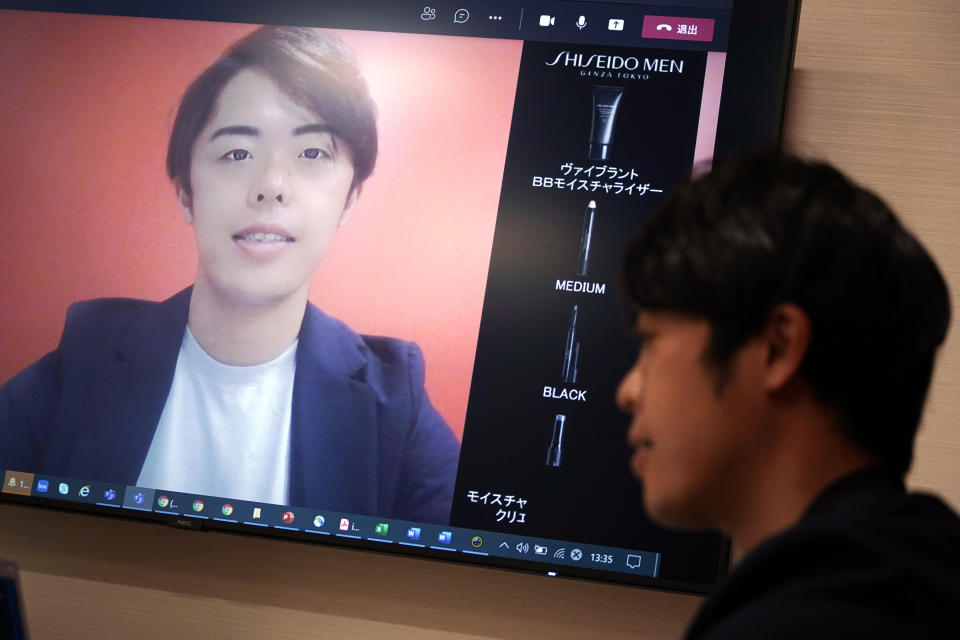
column 606, row 101
column 585, row 237
column 555, row 450
column 571, row 350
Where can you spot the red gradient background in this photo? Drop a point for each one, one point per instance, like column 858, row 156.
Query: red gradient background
column 86, row 106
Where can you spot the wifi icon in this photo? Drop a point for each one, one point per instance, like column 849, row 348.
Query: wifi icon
column 560, row 553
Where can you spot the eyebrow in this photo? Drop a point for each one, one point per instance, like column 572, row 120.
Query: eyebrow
column 313, row 128
column 246, row 130
column 235, row 130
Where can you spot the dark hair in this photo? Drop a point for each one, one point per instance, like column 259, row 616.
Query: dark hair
column 317, row 71
column 763, row 228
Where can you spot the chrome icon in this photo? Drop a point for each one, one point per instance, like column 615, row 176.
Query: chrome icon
column 163, row 501
column 226, row 509
column 198, row 505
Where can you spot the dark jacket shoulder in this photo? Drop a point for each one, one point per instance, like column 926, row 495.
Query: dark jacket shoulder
column 868, row 559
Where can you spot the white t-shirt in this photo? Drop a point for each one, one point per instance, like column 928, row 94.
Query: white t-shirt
column 225, row 430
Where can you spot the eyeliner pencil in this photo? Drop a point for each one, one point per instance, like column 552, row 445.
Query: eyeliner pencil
column 585, row 237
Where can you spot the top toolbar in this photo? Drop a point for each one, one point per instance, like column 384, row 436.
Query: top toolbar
column 604, row 23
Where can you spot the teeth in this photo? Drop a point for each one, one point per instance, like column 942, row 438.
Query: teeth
column 263, row 237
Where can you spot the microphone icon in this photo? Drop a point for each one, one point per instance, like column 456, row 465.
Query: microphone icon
column 581, row 22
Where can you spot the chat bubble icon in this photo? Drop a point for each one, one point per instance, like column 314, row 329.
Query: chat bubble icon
column 461, row 16
column 633, row 561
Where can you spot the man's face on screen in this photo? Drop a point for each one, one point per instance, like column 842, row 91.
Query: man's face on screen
column 693, row 442
column 271, row 184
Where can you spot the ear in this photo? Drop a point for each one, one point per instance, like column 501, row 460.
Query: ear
column 186, row 204
column 786, row 338
column 351, row 200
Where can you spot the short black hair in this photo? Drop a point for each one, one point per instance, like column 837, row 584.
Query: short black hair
column 763, row 228
column 316, row 70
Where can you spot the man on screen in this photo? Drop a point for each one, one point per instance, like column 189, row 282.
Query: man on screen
column 788, row 327
column 238, row 386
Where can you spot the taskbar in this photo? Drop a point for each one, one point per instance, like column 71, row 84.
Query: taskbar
column 194, row 511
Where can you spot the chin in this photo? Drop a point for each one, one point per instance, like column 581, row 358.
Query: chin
column 673, row 512
column 257, row 298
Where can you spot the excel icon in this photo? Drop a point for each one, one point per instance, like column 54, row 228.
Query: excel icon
column 382, row 528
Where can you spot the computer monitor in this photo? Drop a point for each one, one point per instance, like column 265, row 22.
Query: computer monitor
column 445, row 189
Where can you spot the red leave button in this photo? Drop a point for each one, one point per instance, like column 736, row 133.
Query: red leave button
column 678, row 28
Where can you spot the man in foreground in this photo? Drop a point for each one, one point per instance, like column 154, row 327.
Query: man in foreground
column 788, row 326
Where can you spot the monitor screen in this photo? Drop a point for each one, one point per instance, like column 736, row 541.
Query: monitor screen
column 350, row 273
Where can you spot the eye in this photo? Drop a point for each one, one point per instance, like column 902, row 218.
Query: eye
column 237, row 155
column 314, row 153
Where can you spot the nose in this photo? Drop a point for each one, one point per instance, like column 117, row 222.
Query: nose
column 628, row 391
column 271, row 185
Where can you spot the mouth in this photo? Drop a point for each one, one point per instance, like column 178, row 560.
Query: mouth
column 263, row 243
column 643, row 444
column 641, row 451
column 263, row 234
column 261, row 237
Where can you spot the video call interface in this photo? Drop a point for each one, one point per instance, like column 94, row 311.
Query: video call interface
column 509, row 176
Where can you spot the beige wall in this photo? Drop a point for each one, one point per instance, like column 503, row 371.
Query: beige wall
column 875, row 90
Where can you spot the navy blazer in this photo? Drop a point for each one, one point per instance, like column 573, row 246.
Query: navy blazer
column 364, row 437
